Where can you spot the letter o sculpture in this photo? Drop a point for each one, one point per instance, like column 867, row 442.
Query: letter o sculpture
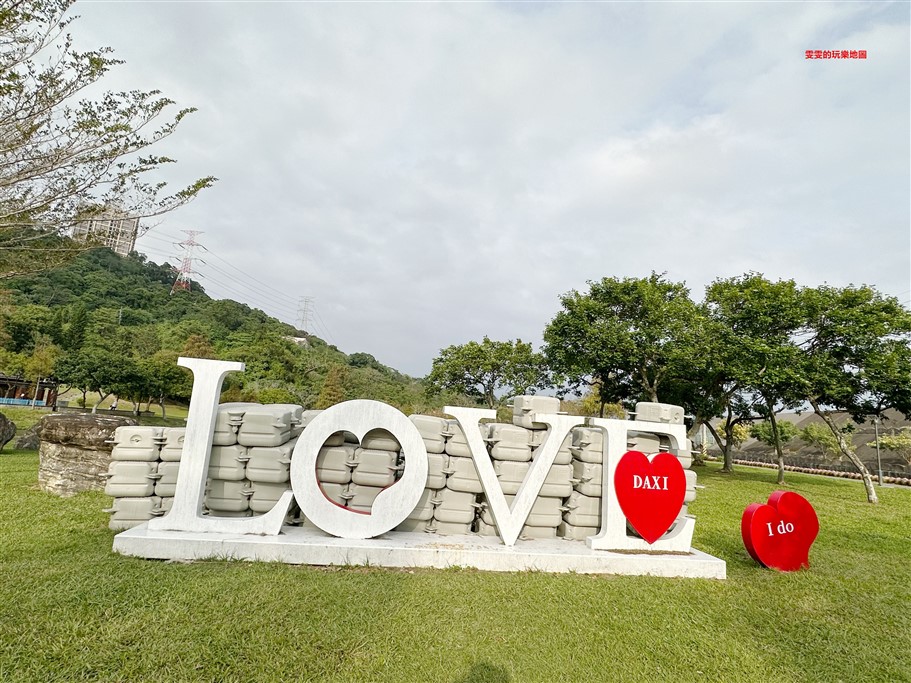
column 393, row 504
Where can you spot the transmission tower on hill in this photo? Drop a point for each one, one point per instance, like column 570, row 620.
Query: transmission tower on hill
column 186, row 265
column 304, row 305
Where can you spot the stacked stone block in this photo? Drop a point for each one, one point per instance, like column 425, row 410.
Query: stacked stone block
column 512, row 448
column 249, row 465
column 253, row 447
column 132, row 475
column 439, row 510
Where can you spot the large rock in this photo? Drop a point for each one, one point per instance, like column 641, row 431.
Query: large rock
column 74, row 451
column 86, row 430
column 28, row 440
column 7, row 430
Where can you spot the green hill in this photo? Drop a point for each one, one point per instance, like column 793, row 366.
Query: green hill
column 110, row 325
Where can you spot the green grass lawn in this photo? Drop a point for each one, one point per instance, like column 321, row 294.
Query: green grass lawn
column 23, row 417
column 71, row 610
column 174, row 411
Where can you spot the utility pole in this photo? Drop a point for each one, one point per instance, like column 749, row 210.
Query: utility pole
column 304, row 306
column 186, row 265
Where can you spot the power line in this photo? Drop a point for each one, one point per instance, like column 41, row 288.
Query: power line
column 169, row 240
column 250, row 277
column 299, row 310
column 285, row 301
column 325, row 327
column 155, row 252
column 238, row 290
column 243, row 273
column 271, row 294
column 241, row 290
column 245, row 297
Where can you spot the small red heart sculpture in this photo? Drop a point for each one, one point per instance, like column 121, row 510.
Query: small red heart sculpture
column 779, row 534
column 650, row 492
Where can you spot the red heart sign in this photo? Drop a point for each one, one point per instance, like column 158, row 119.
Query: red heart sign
column 650, row 492
column 780, row 534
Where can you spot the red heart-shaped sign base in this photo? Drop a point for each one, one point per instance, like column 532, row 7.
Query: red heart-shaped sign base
column 650, row 492
column 780, row 533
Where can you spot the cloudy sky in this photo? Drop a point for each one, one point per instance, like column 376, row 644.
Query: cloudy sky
column 433, row 172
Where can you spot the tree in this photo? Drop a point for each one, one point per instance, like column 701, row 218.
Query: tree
column 166, row 379
column 482, row 369
column 898, row 442
column 739, row 435
column 132, row 382
column 751, row 354
column 74, row 336
column 108, row 372
column 40, row 364
column 74, row 370
column 590, row 405
column 23, row 323
column 11, row 363
column 856, row 358
column 333, row 390
column 365, row 360
column 63, row 158
column 764, row 433
column 277, row 395
column 198, row 346
column 821, row 437
column 627, row 337
column 776, row 434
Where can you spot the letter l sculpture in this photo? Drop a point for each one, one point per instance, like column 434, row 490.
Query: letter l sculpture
column 186, row 511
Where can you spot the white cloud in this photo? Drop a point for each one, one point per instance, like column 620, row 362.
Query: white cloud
column 434, row 173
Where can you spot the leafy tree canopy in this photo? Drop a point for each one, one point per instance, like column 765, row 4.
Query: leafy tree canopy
column 101, row 306
column 482, row 369
column 66, row 157
column 898, row 442
column 762, row 431
column 627, row 337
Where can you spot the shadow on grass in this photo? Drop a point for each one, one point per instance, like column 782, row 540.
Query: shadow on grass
column 484, row 672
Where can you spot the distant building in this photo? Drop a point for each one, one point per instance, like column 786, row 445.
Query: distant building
column 112, row 229
column 16, row 390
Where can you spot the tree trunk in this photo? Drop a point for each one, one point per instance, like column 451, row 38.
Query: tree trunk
column 161, row 403
column 101, row 398
column 651, row 388
column 728, row 447
column 848, row 452
column 777, row 444
column 725, row 446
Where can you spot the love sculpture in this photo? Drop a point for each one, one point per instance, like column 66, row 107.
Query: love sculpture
column 649, row 490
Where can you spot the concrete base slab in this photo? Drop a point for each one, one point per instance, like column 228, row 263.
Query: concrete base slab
column 296, row 545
